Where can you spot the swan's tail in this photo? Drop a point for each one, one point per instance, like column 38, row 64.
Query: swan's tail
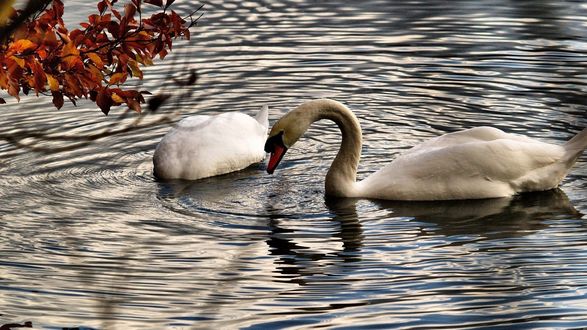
column 263, row 116
column 576, row 146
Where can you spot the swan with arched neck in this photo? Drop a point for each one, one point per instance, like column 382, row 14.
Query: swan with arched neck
column 481, row 162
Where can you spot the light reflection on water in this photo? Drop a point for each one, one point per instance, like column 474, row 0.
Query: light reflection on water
column 90, row 238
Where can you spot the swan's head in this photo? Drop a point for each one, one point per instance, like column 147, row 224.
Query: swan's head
column 284, row 134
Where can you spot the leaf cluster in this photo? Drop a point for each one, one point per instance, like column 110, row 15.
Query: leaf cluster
column 93, row 61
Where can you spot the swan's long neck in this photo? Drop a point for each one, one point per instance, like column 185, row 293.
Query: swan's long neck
column 341, row 177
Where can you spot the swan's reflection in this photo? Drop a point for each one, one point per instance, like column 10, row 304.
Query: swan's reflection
column 490, row 218
column 297, row 261
column 344, row 212
column 212, row 188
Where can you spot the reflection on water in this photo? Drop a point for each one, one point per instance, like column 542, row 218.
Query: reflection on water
column 90, row 238
column 497, row 217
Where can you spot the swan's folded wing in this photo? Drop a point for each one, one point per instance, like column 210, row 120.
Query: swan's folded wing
column 480, row 169
column 501, row 159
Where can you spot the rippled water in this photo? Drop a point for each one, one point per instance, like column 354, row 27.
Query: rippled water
column 90, row 238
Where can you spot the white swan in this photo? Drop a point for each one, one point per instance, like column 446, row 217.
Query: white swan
column 481, row 162
column 202, row 146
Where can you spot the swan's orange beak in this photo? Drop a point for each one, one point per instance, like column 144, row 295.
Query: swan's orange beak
column 277, row 148
column 275, row 158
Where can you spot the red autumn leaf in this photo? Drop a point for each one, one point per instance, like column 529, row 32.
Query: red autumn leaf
column 14, row 70
column 70, row 56
column 77, row 36
column 14, row 89
column 117, row 99
column 117, row 78
column 57, row 99
column 135, row 70
column 123, row 60
column 123, row 26
column 58, row 9
column 158, row 45
column 72, row 85
column 95, row 58
column 114, row 28
column 129, row 11
column 53, row 83
column 134, row 105
column 88, row 81
column 26, row 87
column 162, row 54
column 106, row 18
column 21, row 46
column 102, row 7
column 40, row 77
column 18, row 60
column 96, row 74
column 2, row 101
column 104, row 101
column 94, row 20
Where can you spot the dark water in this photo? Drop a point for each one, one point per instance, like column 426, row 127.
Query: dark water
column 90, row 238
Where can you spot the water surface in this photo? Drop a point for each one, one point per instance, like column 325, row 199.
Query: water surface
column 91, row 239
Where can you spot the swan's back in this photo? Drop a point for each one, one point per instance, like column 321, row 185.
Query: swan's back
column 481, row 162
column 201, row 146
column 473, row 135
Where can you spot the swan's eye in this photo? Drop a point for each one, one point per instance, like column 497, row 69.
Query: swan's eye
column 273, row 141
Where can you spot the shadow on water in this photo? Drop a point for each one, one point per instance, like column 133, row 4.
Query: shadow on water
column 213, row 187
column 489, row 218
column 234, row 193
column 293, row 257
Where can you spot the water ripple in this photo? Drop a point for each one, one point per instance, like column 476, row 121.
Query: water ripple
column 90, row 238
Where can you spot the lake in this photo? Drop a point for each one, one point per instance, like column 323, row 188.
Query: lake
column 91, row 239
